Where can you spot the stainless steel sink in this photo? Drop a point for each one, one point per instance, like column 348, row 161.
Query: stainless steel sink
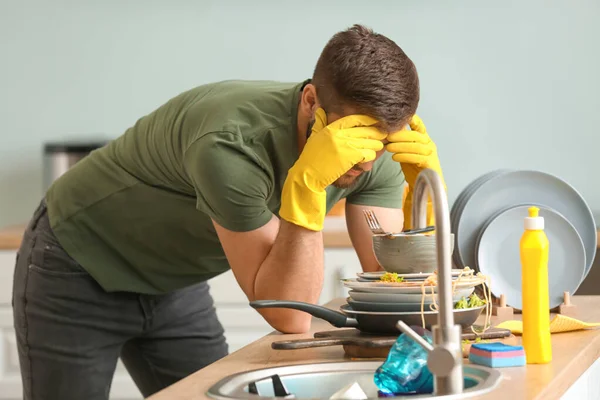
column 322, row 380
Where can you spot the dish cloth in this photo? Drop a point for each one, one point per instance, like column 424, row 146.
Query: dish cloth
column 495, row 355
column 560, row 323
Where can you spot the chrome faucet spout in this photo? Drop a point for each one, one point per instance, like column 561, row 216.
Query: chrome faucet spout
column 429, row 183
column 444, row 360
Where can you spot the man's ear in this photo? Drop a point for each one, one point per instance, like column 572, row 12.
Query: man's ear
column 308, row 100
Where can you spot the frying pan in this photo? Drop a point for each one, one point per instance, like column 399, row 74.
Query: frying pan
column 386, row 307
column 369, row 321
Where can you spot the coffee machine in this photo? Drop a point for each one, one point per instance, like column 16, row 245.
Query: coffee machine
column 59, row 156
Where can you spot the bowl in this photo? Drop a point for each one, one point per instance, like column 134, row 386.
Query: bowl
column 407, row 254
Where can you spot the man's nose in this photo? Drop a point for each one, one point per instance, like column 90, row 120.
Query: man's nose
column 366, row 166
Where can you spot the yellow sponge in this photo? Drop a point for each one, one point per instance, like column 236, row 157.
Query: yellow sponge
column 560, row 323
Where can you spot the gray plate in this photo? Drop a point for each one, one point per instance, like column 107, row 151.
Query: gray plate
column 499, row 258
column 405, row 298
column 386, row 307
column 524, row 187
column 458, row 206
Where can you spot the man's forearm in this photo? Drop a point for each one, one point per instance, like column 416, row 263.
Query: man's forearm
column 293, row 270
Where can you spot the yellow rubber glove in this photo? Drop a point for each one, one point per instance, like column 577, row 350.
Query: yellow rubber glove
column 415, row 151
column 330, row 152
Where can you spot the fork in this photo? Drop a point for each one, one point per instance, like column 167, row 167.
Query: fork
column 373, row 222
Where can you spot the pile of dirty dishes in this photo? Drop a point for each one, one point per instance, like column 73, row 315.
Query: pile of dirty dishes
column 487, row 220
column 412, row 297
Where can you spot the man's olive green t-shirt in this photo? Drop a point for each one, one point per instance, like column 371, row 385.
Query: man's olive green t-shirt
column 136, row 214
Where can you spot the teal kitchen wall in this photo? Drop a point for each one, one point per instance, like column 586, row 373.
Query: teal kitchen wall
column 504, row 84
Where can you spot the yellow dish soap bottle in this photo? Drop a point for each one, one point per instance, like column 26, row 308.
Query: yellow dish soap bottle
column 534, row 249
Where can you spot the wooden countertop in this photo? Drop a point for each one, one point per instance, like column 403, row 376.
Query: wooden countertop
column 573, row 353
column 10, row 237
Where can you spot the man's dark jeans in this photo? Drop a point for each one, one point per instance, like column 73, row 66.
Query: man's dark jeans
column 70, row 332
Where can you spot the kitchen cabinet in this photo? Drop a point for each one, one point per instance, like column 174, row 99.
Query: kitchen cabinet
column 123, row 387
column 587, row 387
column 10, row 380
column 243, row 325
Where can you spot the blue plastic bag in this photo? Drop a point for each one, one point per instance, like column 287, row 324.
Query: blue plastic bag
column 405, row 369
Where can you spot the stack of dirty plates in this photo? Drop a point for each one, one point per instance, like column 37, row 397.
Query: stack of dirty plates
column 410, row 298
column 369, row 293
column 487, row 220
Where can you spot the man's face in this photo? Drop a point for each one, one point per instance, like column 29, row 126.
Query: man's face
column 351, row 176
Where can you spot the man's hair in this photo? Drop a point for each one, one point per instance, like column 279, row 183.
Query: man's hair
column 369, row 73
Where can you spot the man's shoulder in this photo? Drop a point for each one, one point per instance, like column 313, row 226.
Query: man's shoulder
column 251, row 86
column 243, row 106
column 245, row 98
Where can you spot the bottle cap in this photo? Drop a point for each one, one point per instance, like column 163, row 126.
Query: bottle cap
column 534, row 221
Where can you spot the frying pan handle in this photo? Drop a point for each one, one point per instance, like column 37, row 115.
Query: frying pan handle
column 306, row 343
column 335, row 318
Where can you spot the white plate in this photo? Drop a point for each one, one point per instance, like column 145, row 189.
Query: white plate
column 422, row 275
column 404, row 298
column 499, row 257
column 523, row 187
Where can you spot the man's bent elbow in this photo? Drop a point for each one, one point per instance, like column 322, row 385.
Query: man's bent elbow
column 287, row 321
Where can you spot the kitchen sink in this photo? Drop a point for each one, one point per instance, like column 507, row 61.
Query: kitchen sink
column 322, row 380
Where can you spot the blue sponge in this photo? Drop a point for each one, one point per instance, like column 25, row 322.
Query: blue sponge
column 497, row 355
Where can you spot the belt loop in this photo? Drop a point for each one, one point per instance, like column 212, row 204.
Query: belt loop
column 37, row 215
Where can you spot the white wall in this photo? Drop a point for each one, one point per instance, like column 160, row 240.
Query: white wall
column 512, row 83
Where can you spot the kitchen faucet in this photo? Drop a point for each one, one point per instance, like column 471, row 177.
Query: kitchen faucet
column 444, row 358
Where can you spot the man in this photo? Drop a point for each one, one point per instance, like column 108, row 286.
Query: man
column 239, row 175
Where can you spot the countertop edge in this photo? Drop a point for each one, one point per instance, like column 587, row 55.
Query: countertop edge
column 569, row 375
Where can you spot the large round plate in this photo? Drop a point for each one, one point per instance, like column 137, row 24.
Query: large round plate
column 405, row 298
column 460, row 199
column 458, row 206
column 524, row 187
column 499, row 255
